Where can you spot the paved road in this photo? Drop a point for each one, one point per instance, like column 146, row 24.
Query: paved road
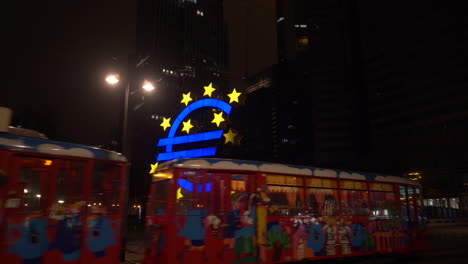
column 449, row 245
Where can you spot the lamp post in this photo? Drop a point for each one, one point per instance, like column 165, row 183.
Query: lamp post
column 148, row 86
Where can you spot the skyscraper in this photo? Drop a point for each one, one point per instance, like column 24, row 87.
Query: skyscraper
column 182, row 39
column 415, row 74
column 310, row 105
column 181, row 47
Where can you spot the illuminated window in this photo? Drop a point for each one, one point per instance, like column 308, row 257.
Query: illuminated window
column 302, row 43
column 284, row 180
column 354, row 202
column 286, row 194
column 357, row 185
column 324, row 183
column 323, row 202
column 380, row 206
column 381, row 187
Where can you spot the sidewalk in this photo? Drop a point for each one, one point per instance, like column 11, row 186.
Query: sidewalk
column 135, row 252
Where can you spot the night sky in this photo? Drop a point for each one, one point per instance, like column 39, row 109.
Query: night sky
column 63, row 50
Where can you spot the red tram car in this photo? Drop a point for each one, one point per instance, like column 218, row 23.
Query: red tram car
column 233, row 211
column 59, row 202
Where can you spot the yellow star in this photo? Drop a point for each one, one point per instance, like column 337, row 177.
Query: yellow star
column 234, row 96
column 229, row 136
column 208, row 90
column 166, row 123
column 218, row 118
column 179, row 193
column 186, row 98
column 154, row 167
column 187, row 126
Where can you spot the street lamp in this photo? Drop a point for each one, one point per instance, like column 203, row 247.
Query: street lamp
column 112, row 79
column 147, row 86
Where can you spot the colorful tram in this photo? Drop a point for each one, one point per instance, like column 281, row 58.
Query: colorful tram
column 59, row 202
column 233, row 211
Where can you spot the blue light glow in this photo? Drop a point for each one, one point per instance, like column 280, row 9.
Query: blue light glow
column 193, row 153
column 187, row 185
column 189, row 109
column 190, row 138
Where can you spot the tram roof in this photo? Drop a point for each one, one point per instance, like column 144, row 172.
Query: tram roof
column 15, row 142
column 277, row 168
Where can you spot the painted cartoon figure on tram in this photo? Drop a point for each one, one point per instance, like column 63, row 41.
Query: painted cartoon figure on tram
column 194, row 232
column 67, row 236
column 66, row 239
column 358, row 235
column 33, row 241
column 244, row 247
column 316, row 239
column 298, row 238
column 100, row 235
column 344, row 236
column 331, row 236
column 233, row 224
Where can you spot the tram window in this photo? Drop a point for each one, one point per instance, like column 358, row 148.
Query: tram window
column 34, row 174
column 188, row 195
column 354, row 202
column 386, row 187
column 322, row 183
column 411, row 203
column 356, row 185
column 284, row 180
column 238, row 195
column 70, row 182
column 218, row 193
column 106, row 187
column 379, row 204
column 160, row 195
column 321, row 201
column 403, row 195
column 285, row 200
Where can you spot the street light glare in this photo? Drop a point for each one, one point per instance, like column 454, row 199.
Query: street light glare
column 148, row 86
column 112, row 78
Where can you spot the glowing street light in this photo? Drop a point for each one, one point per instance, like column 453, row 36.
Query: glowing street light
column 112, row 79
column 148, row 86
